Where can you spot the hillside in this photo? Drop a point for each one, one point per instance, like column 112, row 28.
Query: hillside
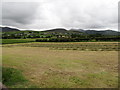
column 102, row 32
column 62, row 30
column 8, row 29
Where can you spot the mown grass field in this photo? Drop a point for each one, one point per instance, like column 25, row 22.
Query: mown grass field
column 81, row 46
column 59, row 65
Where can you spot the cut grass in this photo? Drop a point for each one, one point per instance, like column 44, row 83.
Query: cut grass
column 63, row 68
column 82, row 46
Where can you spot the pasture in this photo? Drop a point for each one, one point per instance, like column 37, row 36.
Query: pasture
column 12, row 41
column 64, row 65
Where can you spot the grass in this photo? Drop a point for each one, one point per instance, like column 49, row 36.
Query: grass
column 81, row 46
column 12, row 41
column 46, row 68
column 12, row 76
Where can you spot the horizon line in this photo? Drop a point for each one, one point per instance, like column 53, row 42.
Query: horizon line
column 57, row 28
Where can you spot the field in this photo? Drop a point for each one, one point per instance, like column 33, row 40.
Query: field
column 81, row 46
column 11, row 41
column 64, row 65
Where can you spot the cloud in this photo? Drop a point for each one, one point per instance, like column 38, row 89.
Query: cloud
column 46, row 14
column 16, row 14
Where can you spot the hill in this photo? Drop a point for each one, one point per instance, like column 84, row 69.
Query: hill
column 8, row 29
column 93, row 32
column 60, row 30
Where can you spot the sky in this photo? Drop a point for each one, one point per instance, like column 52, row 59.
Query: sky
column 48, row 14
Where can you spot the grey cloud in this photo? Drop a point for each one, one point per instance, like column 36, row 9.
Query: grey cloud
column 86, row 14
column 83, row 14
column 18, row 13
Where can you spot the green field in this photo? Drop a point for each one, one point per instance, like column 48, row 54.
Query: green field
column 64, row 65
column 12, row 41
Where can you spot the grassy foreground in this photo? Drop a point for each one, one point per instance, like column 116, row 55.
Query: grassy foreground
column 46, row 68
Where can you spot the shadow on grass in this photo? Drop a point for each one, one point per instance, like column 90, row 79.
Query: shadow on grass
column 11, row 76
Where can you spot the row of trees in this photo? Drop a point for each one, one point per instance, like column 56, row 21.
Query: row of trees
column 14, row 36
column 77, row 39
column 59, row 37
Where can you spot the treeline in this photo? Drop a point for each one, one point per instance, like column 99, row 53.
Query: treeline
column 59, row 36
column 77, row 39
column 20, row 35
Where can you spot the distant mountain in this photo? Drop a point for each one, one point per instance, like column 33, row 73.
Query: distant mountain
column 102, row 32
column 109, row 32
column 60, row 30
column 80, row 30
column 8, row 29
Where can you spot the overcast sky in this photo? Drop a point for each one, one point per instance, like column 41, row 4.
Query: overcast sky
column 47, row 14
